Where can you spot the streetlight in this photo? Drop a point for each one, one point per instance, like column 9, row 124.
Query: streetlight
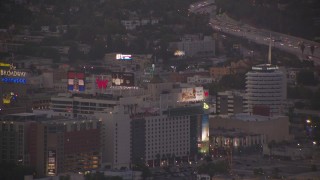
column 308, row 121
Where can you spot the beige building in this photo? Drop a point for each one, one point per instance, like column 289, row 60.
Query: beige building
column 275, row 128
column 218, row 72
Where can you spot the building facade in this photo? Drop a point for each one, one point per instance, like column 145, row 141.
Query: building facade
column 230, row 102
column 266, row 88
column 50, row 145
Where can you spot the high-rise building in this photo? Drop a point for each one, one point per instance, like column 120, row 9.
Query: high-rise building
column 22, row 141
column 50, row 145
column 161, row 139
column 266, row 90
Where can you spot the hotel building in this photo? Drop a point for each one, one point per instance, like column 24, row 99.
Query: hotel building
column 51, row 146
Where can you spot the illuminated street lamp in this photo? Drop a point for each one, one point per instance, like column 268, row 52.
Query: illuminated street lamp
column 308, row 121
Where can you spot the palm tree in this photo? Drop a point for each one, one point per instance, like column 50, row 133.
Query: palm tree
column 312, row 49
column 271, row 144
column 158, row 157
column 302, row 47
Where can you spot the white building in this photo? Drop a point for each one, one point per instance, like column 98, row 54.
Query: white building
column 161, row 122
column 134, row 23
column 116, row 150
column 266, row 86
column 195, row 47
column 203, row 177
column 167, row 135
column 199, row 80
column 125, row 175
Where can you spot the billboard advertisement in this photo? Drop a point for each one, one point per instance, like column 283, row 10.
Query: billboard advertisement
column 9, row 74
column 76, row 81
column 51, row 169
column 205, row 128
column 102, row 82
column 123, row 56
column 192, row 94
column 122, row 79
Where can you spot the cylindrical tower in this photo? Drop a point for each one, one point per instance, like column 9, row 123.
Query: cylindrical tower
column 266, row 88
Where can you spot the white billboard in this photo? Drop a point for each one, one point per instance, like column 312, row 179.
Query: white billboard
column 192, row 94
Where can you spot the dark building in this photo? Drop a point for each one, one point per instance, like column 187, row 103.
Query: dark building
column 230, row 102
column 50, row 145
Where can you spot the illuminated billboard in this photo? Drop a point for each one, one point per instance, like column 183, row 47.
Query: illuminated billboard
column 123, row 56
column 8, row 98
column 101, row 82
column 122, row 79
column 76, row 81
column 192, row 94
column 205, row 128
column 9, row 74
column 204, row 144
column 51, row 163
column 179, row 53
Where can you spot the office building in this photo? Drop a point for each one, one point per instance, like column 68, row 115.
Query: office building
column 195, row 46
column 50, row 145
column 230, row 102
column 22, row 141
column 266, row 90
column 162, row 139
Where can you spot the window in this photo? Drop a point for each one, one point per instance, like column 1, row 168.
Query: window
column 74, row 127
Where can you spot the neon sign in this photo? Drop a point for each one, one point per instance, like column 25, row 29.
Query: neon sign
column 11, row 71
column 5, row 65
column 51, row 166
column 205, row 106
column 14, row 80
column 124, row 56
column 102, row 83
column 8, row 98
column 76, row 81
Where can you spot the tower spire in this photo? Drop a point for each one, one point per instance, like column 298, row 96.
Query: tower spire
column 269, row 54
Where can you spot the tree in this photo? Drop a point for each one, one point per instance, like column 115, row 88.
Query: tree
column 73, row 52
column 312, row 49
column 258, row 172
column 100, row 176
column 140, row 166
column 220, row 167
column 233, row 81
column 315, row 103
column 302, row 47
column 158, row 157
column 275, row 172
column 98, row 50
column 67, row 177
column 10, row 171
column 271, row 144
column 306, row 77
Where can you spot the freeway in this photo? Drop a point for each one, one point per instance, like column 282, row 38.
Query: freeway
column 284, row 42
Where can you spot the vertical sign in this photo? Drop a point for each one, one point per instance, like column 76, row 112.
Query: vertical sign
column 51, row 163
column 76, row 81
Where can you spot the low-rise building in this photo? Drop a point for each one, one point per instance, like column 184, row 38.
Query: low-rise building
column 274, row 128
column 230, row 102
column 218, row 72
column 195, row 47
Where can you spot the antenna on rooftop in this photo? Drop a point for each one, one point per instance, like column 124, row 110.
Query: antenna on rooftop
column 269, row 54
